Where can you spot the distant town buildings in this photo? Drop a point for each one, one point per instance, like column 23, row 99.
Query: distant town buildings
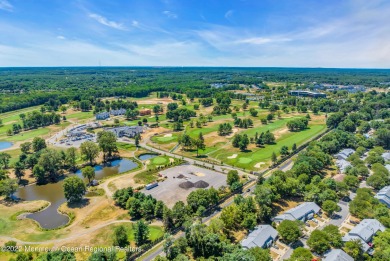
column 262, row 236
column 303, row 212
column 303, row 93
column 384, row 196
column 364, row 232
column 335, row 87
column 102, row 116
column 118, row 112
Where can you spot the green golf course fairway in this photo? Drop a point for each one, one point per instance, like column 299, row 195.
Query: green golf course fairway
column 159, row 160
column 249, row 159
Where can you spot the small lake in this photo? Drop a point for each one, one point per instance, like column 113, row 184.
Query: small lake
column 5, row 145
column 147, row 156
column 54, row 193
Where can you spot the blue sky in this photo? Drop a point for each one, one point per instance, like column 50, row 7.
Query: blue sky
column 288, row 33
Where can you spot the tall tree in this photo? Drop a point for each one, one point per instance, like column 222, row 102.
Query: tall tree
column 74, row 189
column 19, row 169
column 38, row 144
column 107, row 143
column 120, row 237
column 141, row 233
column 89, row 151
column 71, row 157
column 4, row 160
column 88, row 173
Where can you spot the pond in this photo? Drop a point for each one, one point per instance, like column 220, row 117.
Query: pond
column 5, row 145
column 54, row 193
column 147, row 156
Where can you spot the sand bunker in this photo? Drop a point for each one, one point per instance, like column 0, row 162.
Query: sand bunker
column 168, row 135
column 199, row 174
column 258, row 165
column 186, row 185
column 201, row 184
column 232, row 156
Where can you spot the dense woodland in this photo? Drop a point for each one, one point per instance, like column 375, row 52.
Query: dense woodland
column 25, row 87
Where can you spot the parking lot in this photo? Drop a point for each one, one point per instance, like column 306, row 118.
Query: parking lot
column 182, row 180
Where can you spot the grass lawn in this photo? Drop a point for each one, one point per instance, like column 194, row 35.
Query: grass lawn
column 276, row 124
column 160, row 160
column 126, row 146
column 194, row 132
column 249, row 159
column 26, row 135
column 80, row 115
column 146, row 177
column 164, row 139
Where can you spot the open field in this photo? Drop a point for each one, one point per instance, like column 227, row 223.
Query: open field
column 99, row 213
column 255, row 157
column 169, row 190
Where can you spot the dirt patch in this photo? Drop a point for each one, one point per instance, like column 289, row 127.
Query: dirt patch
column 280, row 132
column 234, row 131
column 199, row 174
column 155, row 101
column 201, row 184
column 168, row 135
column 186, row 185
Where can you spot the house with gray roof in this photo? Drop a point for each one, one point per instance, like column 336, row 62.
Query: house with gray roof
column 364, row 232
column 384, row 196
column 303, row 212
column 343, row 164
column 344, row 154
column 386, row 156
column 337, row 255
column 102, row 116
column 126, row 131
column 262, row 236
column 118, row 112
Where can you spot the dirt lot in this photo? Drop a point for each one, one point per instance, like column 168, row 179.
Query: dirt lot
column 169, row 190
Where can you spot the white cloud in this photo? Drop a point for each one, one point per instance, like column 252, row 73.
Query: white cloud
column 261, row 40
column 6, row 6
column 170, row 14
column 106, row 22
column 61, row 37
column 229, row 14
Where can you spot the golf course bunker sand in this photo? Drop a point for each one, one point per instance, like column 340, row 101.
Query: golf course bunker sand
column 168, row 135
column 232, row 156
column 182, row 180
column 258, row 165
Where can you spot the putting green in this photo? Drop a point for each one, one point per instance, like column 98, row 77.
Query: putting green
column 244, row 160
column 165, row 139
column 159, row 160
